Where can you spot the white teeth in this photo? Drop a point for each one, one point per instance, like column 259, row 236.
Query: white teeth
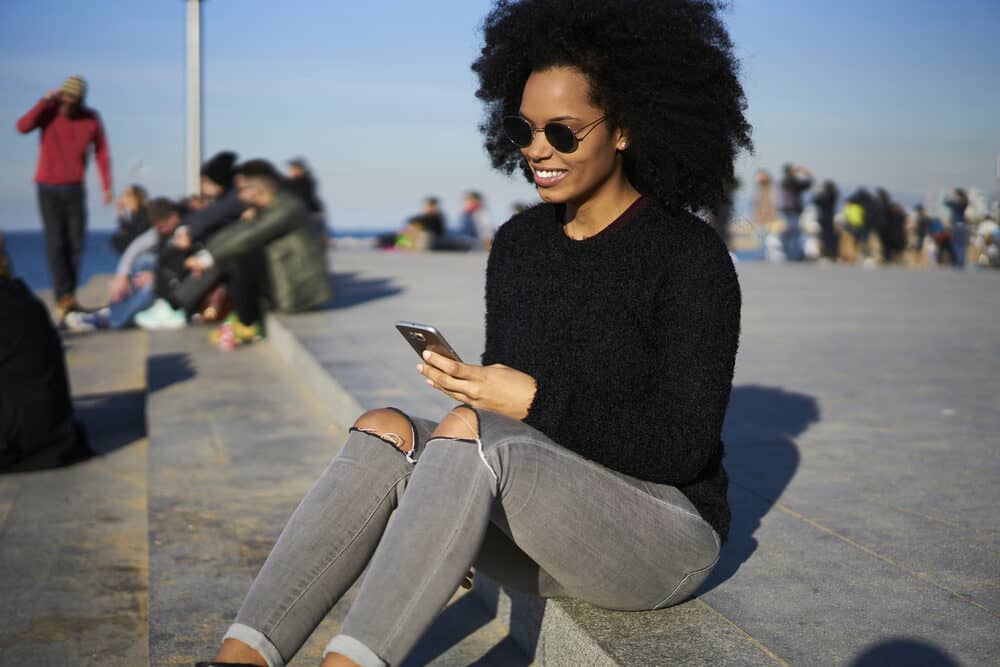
column 549, row 173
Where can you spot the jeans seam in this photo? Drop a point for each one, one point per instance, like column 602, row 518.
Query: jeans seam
column 451, row 540
column 334, row 559
column 684, row 579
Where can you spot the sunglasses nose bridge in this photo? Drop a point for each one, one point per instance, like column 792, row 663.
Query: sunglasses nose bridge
column 539, row 147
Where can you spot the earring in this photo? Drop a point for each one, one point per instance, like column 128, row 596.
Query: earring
column 622, row 145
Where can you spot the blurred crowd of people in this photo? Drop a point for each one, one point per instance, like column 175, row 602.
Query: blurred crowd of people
column 251, row 239
column 428, row 229
column 797, row 220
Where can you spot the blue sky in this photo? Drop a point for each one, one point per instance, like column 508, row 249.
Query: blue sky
column 379, row 95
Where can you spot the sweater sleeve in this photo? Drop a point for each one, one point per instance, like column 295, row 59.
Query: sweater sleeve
column 677, row 426
column 140, row 244
column 270, row 223
column 37, row 116
column 204, row 222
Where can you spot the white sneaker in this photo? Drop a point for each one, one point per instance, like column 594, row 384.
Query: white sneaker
column 76, row 320
column 160, row 316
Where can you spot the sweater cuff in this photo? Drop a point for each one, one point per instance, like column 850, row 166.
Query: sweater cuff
column 205, row 257
column 548, row 405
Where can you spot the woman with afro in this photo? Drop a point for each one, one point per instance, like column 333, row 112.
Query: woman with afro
column 585, row 459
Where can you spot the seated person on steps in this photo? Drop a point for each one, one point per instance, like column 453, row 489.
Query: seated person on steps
column 272, row 254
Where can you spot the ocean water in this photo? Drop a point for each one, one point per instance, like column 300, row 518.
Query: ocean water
column 27, row 251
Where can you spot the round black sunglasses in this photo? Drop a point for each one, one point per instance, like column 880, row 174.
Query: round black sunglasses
column 561, row 137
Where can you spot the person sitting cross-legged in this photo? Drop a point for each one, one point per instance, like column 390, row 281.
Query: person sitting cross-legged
column 132, row 288
column 272, row 255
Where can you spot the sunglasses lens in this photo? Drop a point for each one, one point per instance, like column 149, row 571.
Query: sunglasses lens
column 518, row 131
column 561, row 137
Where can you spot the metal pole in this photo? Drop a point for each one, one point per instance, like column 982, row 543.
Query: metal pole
column 192, row 180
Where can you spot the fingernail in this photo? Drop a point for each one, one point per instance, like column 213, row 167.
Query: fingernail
column 420, row 368
column 426, row 355
column 430, row 382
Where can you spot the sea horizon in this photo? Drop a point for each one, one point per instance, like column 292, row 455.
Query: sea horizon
column 26, row 249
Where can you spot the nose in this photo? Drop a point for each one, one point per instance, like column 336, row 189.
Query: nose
column 539, row 149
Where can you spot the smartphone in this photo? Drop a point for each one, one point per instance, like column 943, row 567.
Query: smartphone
column 425, row 337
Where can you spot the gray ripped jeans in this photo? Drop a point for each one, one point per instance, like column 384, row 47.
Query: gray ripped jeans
column 520, row 508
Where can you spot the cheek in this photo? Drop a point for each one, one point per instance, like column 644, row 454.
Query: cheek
column 595, row 164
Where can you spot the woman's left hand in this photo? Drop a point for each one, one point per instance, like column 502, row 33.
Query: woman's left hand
column 496, row 388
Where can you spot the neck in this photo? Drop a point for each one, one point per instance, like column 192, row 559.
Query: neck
column 588, row 217
column 266, row 199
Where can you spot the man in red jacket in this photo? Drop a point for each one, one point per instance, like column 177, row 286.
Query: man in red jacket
column 67, row 130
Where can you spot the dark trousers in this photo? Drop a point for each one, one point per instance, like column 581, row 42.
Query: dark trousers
column 64, row 216
column 248, row 283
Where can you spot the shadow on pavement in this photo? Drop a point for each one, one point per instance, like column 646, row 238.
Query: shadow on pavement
column 459, row 620
column 761, row 457
column 163, row 370
column 350, row 290
column 904, row 652
column 113, row 420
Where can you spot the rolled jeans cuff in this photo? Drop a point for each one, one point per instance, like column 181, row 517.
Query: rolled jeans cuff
column 351, row 648
column 257, row 641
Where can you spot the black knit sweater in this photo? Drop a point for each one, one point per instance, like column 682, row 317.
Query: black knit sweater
column 631, row 336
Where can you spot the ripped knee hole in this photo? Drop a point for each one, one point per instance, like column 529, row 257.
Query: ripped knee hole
column 448, row 430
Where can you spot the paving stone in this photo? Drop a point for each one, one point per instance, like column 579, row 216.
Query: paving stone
column 73, row 560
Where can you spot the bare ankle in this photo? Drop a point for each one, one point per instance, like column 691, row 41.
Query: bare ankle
column 337, row 660
column 233, row 650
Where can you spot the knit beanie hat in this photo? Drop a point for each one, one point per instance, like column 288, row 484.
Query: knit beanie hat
column 75, row 85
column 219, row 169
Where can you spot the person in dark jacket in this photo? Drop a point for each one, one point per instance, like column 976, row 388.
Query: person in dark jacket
column 885, row 221
column 796, row 181
column 272, row 255
column 133, row 218
column 586, row 458
column 826, row 204
column 37, row 427
column 957, row 202
column 301, row 182
column 174, row 283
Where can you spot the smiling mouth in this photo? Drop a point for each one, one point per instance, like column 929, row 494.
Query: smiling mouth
column 548, row 177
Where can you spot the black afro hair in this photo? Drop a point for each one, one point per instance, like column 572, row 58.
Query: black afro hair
column 662, row 69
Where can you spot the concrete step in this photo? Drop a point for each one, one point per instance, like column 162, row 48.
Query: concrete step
column 73, row 561
column 236, row 440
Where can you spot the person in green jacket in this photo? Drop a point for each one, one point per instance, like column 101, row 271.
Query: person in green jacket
column 270, row 255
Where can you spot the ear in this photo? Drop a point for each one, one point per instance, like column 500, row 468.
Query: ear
column 622, row 141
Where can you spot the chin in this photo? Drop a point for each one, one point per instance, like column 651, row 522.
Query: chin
column 551, row 195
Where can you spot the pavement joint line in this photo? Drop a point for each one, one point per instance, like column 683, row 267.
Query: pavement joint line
column 871, row 552
column 947, row 522
column 753, row 640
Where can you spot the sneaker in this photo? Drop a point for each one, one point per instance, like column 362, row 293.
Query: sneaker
column 232, row 333
column 161, row 316
column 78, row 321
